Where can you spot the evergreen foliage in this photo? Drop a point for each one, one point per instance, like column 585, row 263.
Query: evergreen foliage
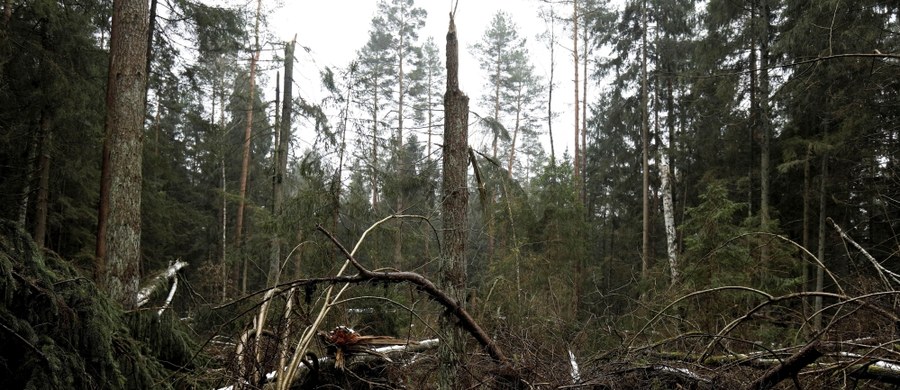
column 553, row 259
column 60, row 331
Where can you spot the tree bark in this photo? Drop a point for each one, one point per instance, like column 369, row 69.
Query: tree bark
column 577, row 158
column 281, row 154
column 151, row 27
column 764, row 127
column 645, row 147
column 454, row 209
column 245, row 161
column 336, row 182
column 224, row 237
column 512, row 147
column 807, row 189
column 669, row 216
column 790, row 367
column 42, row 204
column 820, row 271
column 274, row 239
column 550, row 88
column 374, row 167
column 118, row 261
column 30, row 161
column 584, row 85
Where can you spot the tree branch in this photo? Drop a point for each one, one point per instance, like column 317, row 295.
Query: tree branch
column 453, row 308
column 788, row 368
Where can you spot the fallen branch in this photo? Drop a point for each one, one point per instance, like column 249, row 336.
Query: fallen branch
column 882, row 271
column 453, row 308
column 788, row 368
column 327, row 363
column 155, row 282
column 170, row 296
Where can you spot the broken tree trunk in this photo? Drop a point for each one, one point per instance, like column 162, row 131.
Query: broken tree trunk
column 455, row 205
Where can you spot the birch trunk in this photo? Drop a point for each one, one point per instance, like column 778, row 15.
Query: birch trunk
column 669, row 216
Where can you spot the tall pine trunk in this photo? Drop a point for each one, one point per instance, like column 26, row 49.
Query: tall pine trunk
column 42, row 203
column 336, row 181
column 577, row 161
column 645, row 147
column 764, row 127
column 807, row 189
column 119, row 231
column 281, row 158
column 454, row 210
column 374, row 167
column 550, row 87
column 245, row 157
column 30, row 161
column 820, row 271
column 584, row 85
column 274, row 238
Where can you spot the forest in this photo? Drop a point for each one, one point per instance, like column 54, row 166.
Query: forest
column 710, row 200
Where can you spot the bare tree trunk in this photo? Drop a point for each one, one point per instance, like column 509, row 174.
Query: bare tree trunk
column 550, row 87
column 807, row 188
column 118, row 260
column 281, row 159
column 645, row 146
column 151, row 28
column 584, row 85
column 224, row 274
column 764, row 127
column 820, row 272
column 274, row 239
column 30, row 161
column 430, row 113
column 42, row 206
column 336, row 182
column 754, row 107
column 245, row 162
column 669, row 217
column 512, row 148
column 577, row 161
column 375, row 148
column 496, row 105
column 454, row 209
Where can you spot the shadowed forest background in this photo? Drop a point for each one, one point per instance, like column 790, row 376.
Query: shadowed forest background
column 726, row 213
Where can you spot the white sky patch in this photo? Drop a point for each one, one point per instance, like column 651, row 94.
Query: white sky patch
column 335, row 30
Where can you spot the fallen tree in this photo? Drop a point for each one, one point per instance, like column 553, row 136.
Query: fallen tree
column 292, row 354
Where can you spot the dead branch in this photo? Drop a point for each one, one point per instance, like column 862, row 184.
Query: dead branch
column 158, row 280
column 453, row 308
column 882, row 271
column 788, row 368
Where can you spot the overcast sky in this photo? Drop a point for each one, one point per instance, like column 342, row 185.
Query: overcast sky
column 334, row 30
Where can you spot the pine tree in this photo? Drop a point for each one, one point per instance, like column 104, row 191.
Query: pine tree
column 496, row 53
column 119, row 234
